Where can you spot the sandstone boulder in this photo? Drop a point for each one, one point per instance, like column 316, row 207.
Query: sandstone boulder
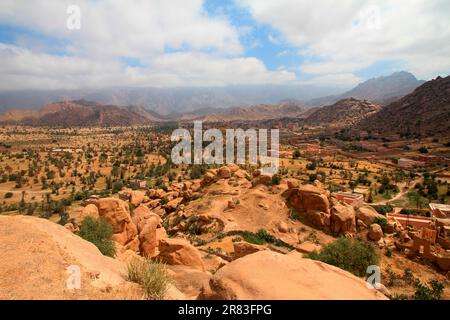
column 265, row 179
column 367, row 214
column 207, row 179
column 242, row 249
column 292, row 183
column 138, row 197
column 343, row 218
column 233, row 167
column 224, row 172
column 308, row 247
column 89, row 210
column 269, row 275
column 375, row 232
column 180, row 252
column 117, row 213
column 309, row 198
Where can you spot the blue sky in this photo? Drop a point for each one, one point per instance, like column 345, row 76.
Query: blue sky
column 217, row 43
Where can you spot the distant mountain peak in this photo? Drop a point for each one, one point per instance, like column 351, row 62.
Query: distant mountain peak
column 424, row 112
column 380, row 90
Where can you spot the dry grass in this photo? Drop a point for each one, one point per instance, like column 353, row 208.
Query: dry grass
column 151, row 275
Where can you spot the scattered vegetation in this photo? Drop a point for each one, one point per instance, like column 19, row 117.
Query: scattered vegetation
column 100, row 233
column 353, row 255
column 432, row 291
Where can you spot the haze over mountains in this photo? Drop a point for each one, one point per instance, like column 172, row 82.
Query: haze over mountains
column 424, row 111
column 187, row 100
column 168, row 100
column 381, row 90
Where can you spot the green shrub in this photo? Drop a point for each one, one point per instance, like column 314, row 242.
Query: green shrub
column 151, row 275
column 432, row 291
column 8, row 195
column 382, row 222
column 100, row 233
column 276, row 179
column 348, row 254
column 383, row 209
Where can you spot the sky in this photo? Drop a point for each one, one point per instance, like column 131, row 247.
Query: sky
column 173, row 43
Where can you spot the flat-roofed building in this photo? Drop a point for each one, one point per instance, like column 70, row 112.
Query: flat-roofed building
column 440, row 210
column 354, row 199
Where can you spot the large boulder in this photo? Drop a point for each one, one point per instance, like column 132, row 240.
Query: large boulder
column 311, row 202
column 268, row 275
column 138, row 197
column 264, row 179
column 117, row 213
column 375, row 232
column 308, row 198
column 90, row 210
column 224, row 172
column 150, row 230
column 180, row 252
column 148, row 244
column 343, row 218
column 242, row 249
column 208, row 178
column 367, row 215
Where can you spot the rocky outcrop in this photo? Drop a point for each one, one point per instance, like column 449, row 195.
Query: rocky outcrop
column 309, row 198
column 367, row 215
column 375, row 232
column 150, row 230
column 180, row 252
column 117, row 213
column 311, row 202
column 343, row 218
column 269, row 275
column 242, row 249
column 137, row 197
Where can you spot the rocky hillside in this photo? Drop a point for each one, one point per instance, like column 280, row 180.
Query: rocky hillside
column 382, row 90
column 201, row 231
column 79, row 113
column 259, row 112
column 424, row 112
column 344, row 113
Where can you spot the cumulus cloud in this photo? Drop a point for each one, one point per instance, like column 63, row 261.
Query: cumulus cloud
column 22, row 68
column 175, row 42
column 178, row 43
column 342, row 38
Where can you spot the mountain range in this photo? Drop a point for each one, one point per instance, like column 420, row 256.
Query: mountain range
column 382, row 90
column 344, row 113
column 424, row 112
column 182, row 100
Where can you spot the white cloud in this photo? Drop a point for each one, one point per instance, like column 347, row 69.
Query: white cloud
column 340, row 80
column 22, row 69
column 151, row 31
column 348, row 36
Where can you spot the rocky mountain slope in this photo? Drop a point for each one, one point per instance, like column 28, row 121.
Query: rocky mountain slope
column 382, row 90
column 79, row 113
column 167, row 100
column 344, row 113
column 424, row 112
column 258, row 112
column 199, row 231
